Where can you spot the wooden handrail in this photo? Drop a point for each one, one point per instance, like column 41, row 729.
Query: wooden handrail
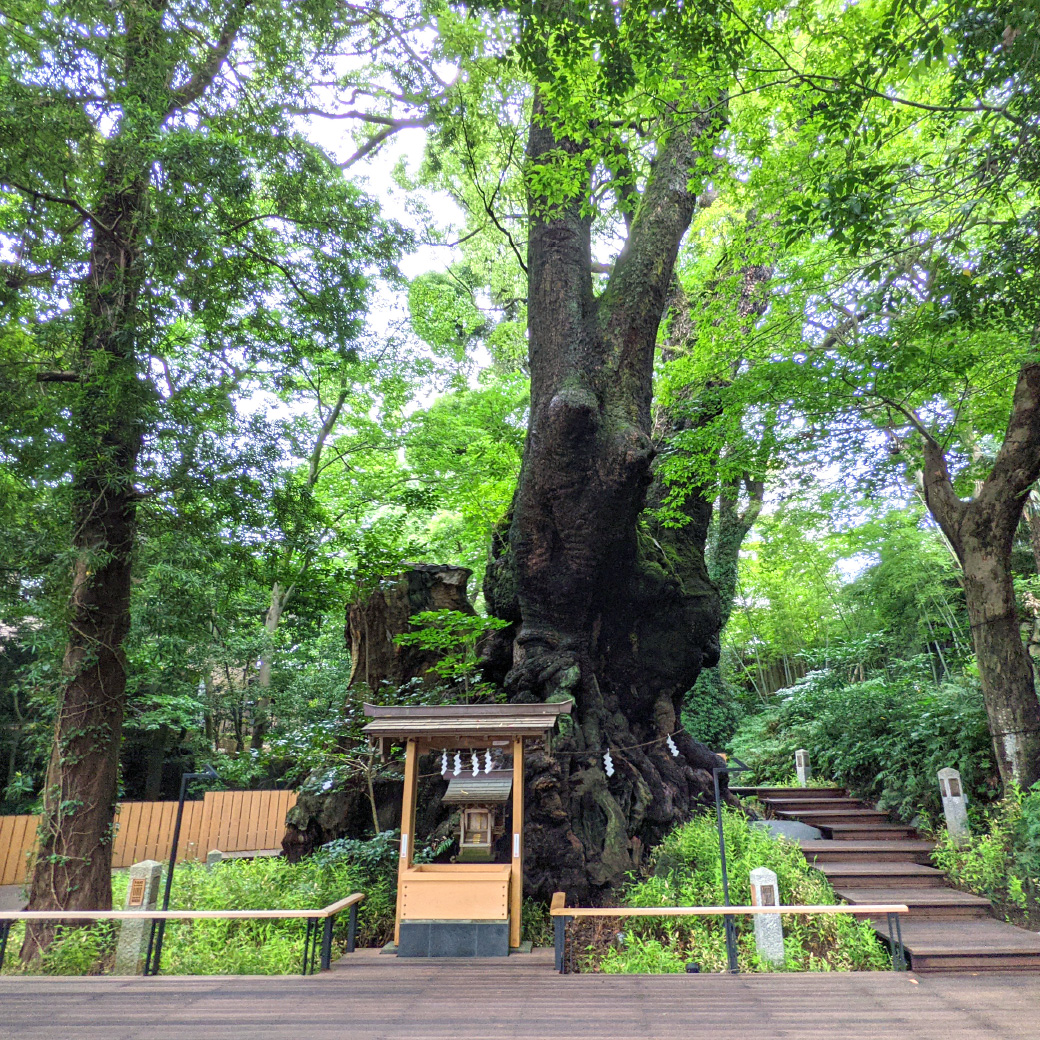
column 559, row 909
column 561, row 914
column 176, row 915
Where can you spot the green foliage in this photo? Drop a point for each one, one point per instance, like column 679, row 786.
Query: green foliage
column 687, row 872
column 452, row 635
column 885, row 738
column 260, row 947
column 1001, row 860
column 711, row 710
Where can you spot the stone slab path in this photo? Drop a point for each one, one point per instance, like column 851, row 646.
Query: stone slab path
column 873, row 860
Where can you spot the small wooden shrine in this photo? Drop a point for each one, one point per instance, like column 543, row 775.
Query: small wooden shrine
column 470, row 907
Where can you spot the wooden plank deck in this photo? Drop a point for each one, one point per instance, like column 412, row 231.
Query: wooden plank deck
column 368, row 996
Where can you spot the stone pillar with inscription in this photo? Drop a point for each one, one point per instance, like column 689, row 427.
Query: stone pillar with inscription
column 213, row 857
column 801, row 766
column 142, row 894
column 955, row 806
column 769, row 932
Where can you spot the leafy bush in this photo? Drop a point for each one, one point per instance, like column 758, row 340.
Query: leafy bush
column 885, row 738
column 687, row 872
column 260, row 947
column 711, row 711
column 1001, row 861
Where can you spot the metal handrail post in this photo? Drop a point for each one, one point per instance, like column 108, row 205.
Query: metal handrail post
column 352, row 928
column 209, row 773
column 5, row 928
column 307, row 944
column 895, row 941
column 730, row 927
column 326, row 945
column 560, row 942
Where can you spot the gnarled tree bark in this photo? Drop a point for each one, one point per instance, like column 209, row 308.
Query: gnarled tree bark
column 608, row 608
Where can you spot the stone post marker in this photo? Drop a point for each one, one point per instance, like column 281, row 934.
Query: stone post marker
column 955, row 805
column 801, row 766
column 213, row 857
column 769, row 932
column 133, row 933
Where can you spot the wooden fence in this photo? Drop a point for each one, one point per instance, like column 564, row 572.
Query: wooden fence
column 232, row 821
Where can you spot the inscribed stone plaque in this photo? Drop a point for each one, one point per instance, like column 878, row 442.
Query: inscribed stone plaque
column 136, row 896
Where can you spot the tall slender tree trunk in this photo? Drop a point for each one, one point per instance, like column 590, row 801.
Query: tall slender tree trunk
column 280, row 594
column 74, row 861
column 607, row 613
column 261, row 713
column 981, row 531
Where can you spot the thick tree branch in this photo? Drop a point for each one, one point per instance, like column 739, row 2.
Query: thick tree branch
column 58, row 377
column 377, row 139
column 1017, row 465
column 635, row 296
column 206, row 73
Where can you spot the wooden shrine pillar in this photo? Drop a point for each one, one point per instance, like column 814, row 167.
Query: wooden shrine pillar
column 516, row 880
column 407, row 851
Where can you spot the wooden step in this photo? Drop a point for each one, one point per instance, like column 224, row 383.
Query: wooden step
column 812, row 804
column 828, row 816
column 940, row 904
column 789, row 792
column 881, row 874
column 825, row 850
column 969, row 944
column 867, row 831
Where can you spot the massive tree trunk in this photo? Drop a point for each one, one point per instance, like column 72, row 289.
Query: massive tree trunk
column 981, row 531
column 611, row 611
column 74, row 861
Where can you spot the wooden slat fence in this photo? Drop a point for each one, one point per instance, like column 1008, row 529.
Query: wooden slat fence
column 232, row 821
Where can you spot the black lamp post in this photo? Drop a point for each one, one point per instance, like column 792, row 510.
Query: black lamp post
column 155, row 940
column 731, row 932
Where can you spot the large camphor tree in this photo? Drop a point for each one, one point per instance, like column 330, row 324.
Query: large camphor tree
column 580, row 141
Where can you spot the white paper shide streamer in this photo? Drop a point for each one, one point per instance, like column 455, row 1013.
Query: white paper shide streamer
column 671, row 746
column 487, row 761
column 458, row 763
column 444, row 760
column 608, row 763
column 476, row 764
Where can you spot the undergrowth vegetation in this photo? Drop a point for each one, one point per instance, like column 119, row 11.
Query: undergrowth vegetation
column 1001, row 861
column 687, row 872
column 258, row 947
column 885, row 738
column 237, row 947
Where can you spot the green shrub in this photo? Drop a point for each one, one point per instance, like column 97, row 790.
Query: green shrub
column 711, row 711
column 258, row 947
column 1001, row 860
column 75, row 951
column 687, row 872
column 885, row 738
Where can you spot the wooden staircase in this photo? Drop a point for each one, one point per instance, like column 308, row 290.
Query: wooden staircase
column 868, row 859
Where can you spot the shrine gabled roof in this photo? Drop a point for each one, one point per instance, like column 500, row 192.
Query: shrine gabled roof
column 463, row 721
column 485, row 788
